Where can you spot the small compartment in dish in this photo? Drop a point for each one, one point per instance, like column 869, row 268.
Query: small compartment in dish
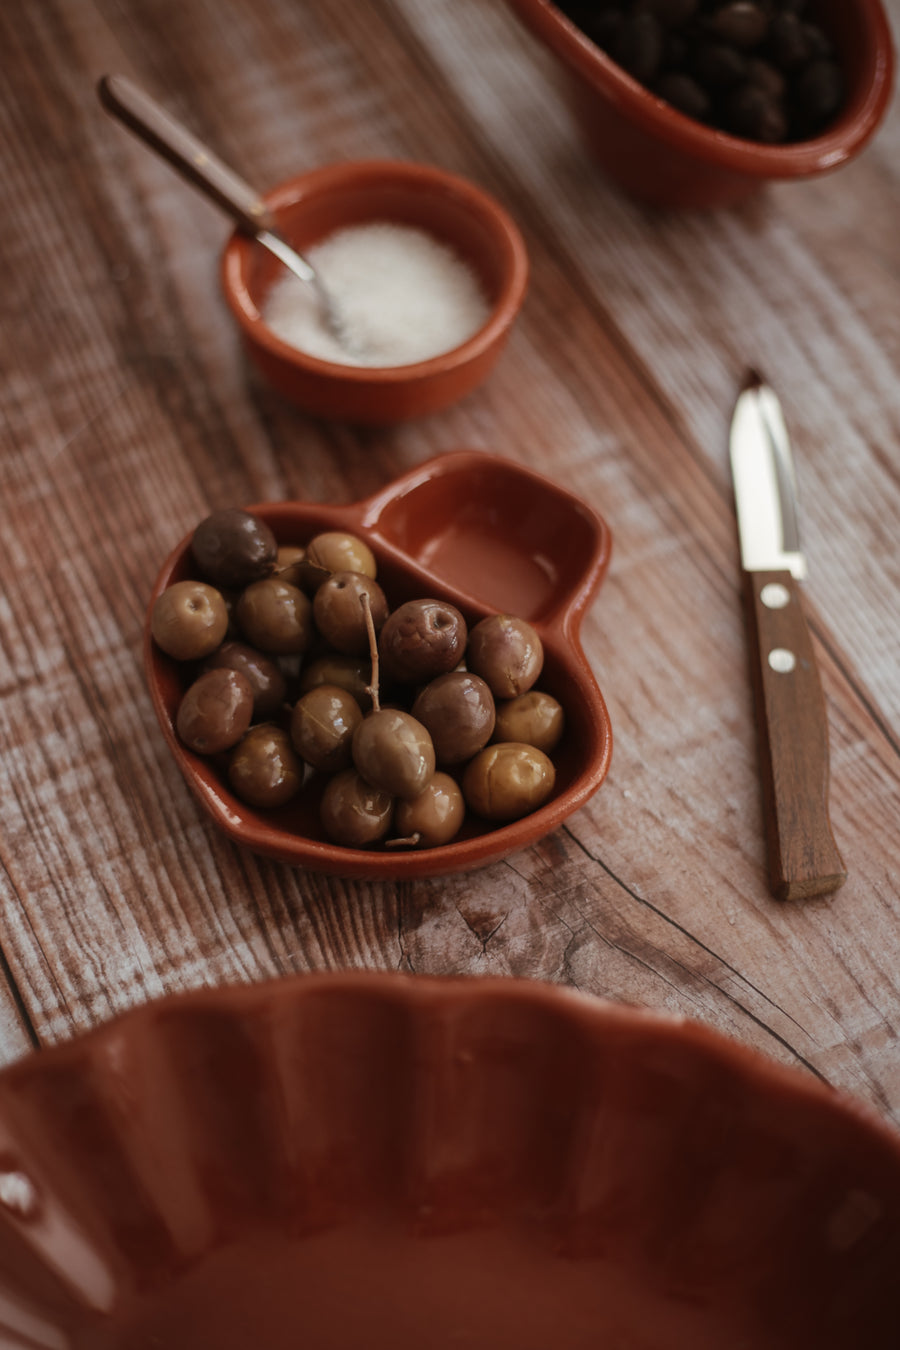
column 499, row 533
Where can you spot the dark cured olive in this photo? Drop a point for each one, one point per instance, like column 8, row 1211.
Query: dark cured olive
column 507, row 781
column 266, row 680
column 189, row 620
column 741, row 23
column 421, row 640
column 322, row 727
column 457, row 710
column 506, row 652
column 353, row 813
column 232, row 548
column 264, row 769
column 215, row 711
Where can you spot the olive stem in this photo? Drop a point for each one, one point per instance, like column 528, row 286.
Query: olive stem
column 372, row 688
column 410, row 839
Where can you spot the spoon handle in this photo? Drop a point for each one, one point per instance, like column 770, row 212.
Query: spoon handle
column 192, row 159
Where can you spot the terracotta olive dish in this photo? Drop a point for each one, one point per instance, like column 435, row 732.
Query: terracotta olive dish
column 315, row 205
column 484, row 534
column 662, row 157
column 390, row 1161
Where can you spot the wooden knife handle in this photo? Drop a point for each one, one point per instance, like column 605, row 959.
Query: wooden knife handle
column 793, row 741
column 190, row 157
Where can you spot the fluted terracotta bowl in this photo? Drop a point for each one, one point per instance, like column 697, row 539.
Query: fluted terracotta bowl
column 485, row 534
column 663, row 158
column 453, row 210
column 377, row 1160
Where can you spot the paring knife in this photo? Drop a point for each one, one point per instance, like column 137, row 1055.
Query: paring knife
column 790, row 709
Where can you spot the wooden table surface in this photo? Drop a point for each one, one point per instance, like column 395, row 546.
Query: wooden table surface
column 128, row 413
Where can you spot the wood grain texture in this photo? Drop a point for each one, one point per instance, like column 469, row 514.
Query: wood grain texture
column 129, row 412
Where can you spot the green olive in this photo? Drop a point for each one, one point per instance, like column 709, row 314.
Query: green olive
column 215, row 711
column 535, row 718
column 189, row 620
column 338, row 551
column 508, row 780
column 340, row 614
column 354, row 813
column 264, row 769
column 432, row 818
column 322, row 727
column 275, row 616
column 347, row 672
column 393, row 752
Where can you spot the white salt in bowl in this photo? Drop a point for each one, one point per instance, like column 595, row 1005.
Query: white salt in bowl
column 318, row 205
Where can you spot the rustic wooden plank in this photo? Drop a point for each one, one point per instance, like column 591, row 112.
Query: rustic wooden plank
column 128, row 413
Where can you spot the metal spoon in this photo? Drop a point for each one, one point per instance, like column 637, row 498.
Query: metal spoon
column 195, row 162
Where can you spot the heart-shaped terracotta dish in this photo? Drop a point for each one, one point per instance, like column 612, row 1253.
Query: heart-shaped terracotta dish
column 394, row 1162
column 487, row 535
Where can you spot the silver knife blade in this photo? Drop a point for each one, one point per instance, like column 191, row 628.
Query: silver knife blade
column 765, row 488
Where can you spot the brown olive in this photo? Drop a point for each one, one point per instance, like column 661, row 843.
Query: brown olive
column 506, row 781
column 393, row 751
column 457, row 710
column 189, row 620
column 421, row 640
column 535, row 718
column 289, row 564
column 322, row 727
column 232, row 548
column 338, row 551
column 340, row 614
column 354, row 813
column 266, row 679
column 264, row 769
column 215, row 711
column 506, row 652
column 432, row 818
column 347, row 672
column 275, row 616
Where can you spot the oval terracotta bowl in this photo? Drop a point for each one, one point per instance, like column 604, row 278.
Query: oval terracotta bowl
column 451, row 209
column 485, row 534
column 394, row 1162
column 664, row 158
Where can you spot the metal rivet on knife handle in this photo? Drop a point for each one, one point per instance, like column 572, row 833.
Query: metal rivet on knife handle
column 774, row 596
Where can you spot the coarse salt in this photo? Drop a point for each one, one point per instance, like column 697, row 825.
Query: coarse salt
column 402, row 295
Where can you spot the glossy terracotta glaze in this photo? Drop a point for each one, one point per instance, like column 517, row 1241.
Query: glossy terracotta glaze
column 661, row 157
column 388, row 1161
column 451, row 209
column 485, row 534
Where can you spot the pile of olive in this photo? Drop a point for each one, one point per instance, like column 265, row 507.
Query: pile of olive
column 299, row 671
column 763, row 70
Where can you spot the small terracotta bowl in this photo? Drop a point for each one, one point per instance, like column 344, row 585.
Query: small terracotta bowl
column 450, row 209
column 484, row 534
column 663, row 158
column 380, row 1160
